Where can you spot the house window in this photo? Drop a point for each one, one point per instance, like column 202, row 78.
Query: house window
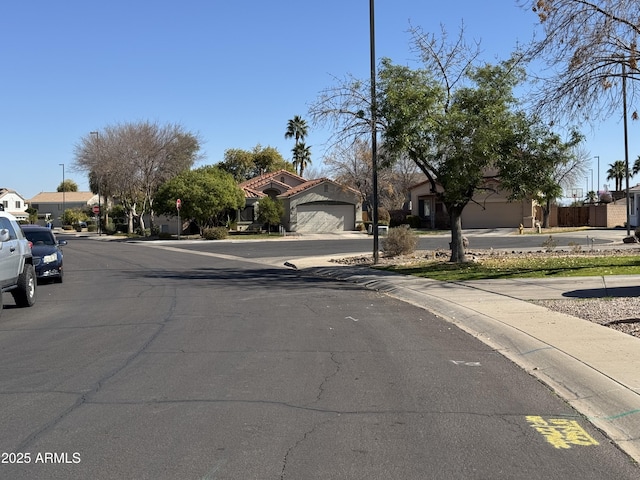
column 5, row 204
column 18, row 204
column 326, row 188
column 246, row 214
column 424, row 208
column 282, row 179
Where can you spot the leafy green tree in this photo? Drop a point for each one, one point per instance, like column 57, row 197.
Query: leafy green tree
column 460, row 123
column 269, row 159
column 73, row 216
column 33, row 215
column 541, row 165
column 270, row 211
column 68, row 186
column 206, row 193
column 456, row 137
column 239, row 163
column 244, row 164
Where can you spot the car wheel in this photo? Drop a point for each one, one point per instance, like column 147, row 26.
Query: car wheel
column 25, row 294
column 58, row 279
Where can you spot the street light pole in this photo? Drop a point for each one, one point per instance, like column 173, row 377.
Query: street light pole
column 598, row 175
column 98, row 182
column 64, row 188
column 374, row 133
column 626, row 144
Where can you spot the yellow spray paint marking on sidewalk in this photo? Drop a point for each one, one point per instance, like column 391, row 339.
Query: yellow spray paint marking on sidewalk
column 561, row 433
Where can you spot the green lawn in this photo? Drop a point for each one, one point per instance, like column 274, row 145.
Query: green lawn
column 524, row 267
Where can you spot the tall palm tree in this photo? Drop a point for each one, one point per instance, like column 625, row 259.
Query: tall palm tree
column 301, row 157
column 297, row 129
column 592, row 197
column 636, row 166
column 617, row 173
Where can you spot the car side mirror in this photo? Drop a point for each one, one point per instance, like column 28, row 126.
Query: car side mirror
column 62, row 243
column 4, row 235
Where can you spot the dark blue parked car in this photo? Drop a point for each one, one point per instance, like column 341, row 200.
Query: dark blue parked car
column 47, row 254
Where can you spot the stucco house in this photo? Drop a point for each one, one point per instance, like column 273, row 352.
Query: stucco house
column 14, row 203
column 51, row 205
column 490, row 208
column 319, row 205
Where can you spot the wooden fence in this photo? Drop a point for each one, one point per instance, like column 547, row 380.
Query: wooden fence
column 573, row 216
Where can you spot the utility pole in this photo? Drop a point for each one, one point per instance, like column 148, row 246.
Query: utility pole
column 374, row 132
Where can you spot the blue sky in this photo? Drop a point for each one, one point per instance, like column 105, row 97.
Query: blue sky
column 232, row 72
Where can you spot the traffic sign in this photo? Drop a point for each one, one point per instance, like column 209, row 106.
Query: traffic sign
column 178, row 204
column 96, row 209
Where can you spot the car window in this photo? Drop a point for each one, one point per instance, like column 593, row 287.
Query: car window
column 6, row 223
column 40, row 238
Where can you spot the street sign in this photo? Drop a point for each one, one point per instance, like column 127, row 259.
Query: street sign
column 178, row 204
column 96, row 209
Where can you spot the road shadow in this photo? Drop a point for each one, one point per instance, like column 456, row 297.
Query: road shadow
column 249, row 278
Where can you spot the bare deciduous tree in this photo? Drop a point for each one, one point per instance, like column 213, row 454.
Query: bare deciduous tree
column 351, row 165
column 131, row 161
column 588, row 47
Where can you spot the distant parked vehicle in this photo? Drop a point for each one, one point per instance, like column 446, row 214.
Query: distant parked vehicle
column 17, row 274
column 47, row 254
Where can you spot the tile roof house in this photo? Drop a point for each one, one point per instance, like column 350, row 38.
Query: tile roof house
column 51, row 205
column 311, row 206
column 490, row 208
column 14, row 203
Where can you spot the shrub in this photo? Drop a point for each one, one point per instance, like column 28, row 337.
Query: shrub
column 384, row 217
column 397, row 218
column 637, row 232
column 215, row 233
column 549, row 244
column 109, row 228
column 399, row 241
column 414, row 221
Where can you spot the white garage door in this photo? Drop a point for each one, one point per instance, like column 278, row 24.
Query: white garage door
column 318, row 217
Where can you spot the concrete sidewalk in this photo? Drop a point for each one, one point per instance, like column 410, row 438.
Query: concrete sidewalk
column 594, row 368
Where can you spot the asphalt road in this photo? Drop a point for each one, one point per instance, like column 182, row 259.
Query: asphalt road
column 292, row 248
column 152, row 363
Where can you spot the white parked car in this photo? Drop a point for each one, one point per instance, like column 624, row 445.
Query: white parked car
column 17, row 273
